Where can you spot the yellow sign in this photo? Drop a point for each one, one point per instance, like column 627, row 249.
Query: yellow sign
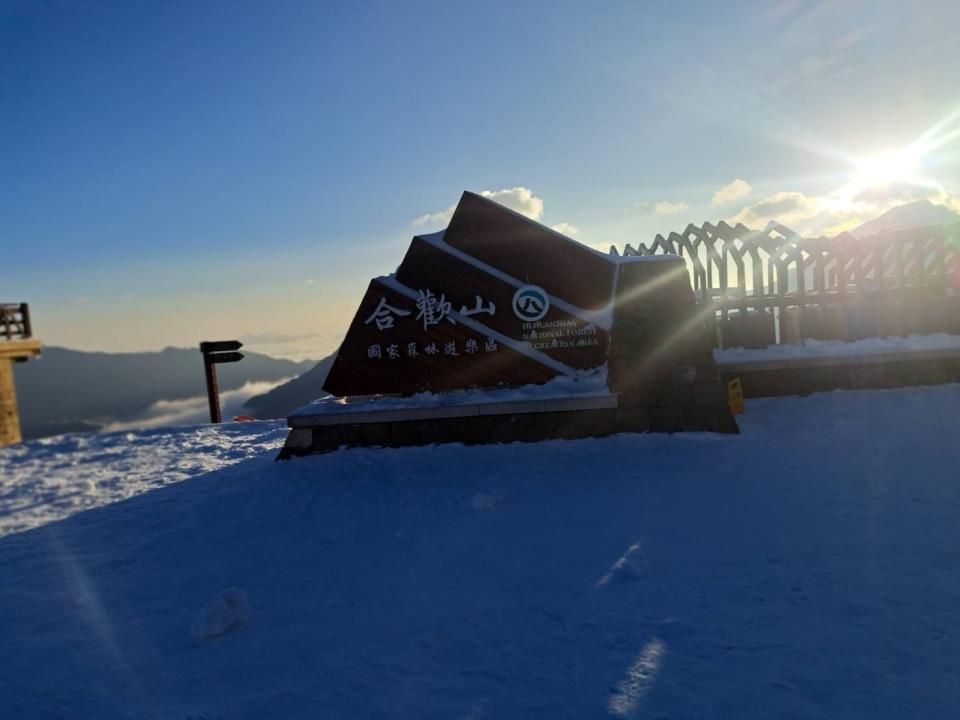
column 735, row 396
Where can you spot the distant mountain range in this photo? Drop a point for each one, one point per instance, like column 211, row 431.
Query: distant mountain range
column 75, row 391
column 914, row 214
column 282, row 400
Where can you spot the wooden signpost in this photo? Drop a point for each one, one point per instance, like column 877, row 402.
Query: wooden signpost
column 16, row 345
column 220, row 351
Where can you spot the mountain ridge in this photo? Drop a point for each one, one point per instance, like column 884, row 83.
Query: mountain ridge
column 918, row 213
column 66, row 390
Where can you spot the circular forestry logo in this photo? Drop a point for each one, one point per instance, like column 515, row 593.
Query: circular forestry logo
column 530, row 303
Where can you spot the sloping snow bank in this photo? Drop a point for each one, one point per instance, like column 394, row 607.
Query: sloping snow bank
column 50, row 479
column 804, row 569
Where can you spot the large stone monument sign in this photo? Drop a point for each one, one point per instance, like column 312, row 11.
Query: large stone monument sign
column 494, row 299
column 499, row 301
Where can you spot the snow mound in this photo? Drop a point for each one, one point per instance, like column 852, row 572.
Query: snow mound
column 226, row 612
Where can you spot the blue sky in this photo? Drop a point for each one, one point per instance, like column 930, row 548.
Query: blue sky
column 179, row 171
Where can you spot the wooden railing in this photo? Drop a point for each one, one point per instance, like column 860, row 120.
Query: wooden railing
column 774, row 286
column 15, row 321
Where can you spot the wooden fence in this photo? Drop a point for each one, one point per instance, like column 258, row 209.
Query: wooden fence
column 15, row 321
column 775, row 286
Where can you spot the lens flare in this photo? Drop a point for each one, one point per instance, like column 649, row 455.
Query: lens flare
column 891, row 166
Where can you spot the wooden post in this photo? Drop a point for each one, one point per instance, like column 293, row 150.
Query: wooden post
column 213, row 392
column 12, row 351
column 213, row 353
column 9, row 415
column 25, row 320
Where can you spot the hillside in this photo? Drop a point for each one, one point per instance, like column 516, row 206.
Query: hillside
column 282, row 400
column 70, row 390
column 915, row 214
column 803, row 569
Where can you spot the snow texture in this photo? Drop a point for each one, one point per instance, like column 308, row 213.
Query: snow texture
column 804, row 569
column 50, row 479
column 840, row 348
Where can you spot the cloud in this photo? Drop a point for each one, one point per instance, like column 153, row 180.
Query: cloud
column 519, row 199
column 731, row 191
column 310, row 281
column 800, row 212
column 831, row 214
column 437, row 218
column 293, row 346
column 566, row 229
column 898, row 191
column 778, row 204
column 194, row 410
column 665, row 207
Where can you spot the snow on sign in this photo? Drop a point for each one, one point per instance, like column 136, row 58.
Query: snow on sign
column 495, row 299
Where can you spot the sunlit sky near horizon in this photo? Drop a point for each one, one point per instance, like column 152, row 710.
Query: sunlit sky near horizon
column 181, row 171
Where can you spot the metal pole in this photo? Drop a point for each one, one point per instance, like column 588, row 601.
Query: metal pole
column 213, row 393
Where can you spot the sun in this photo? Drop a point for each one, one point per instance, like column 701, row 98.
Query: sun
column 893, row 167
column 884, row 168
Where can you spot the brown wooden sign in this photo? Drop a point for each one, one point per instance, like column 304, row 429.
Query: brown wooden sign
column 215, row 352
column 495, row 299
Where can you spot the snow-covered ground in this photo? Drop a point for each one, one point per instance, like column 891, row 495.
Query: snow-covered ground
column 49, row 479
column 807, row 568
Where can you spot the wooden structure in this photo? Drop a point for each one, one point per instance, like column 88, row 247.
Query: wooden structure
column 218, row 351
column 775, row 286
column 16, row 345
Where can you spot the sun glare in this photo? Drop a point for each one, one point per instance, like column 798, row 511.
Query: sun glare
column 888, row 168
column 891, row 166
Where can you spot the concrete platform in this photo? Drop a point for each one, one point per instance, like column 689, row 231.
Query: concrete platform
column 510, row 407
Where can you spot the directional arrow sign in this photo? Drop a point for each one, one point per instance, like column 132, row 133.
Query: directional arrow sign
column 220, row 346
column 225, row 357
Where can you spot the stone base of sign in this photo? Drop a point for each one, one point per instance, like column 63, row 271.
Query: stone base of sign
column 527, row 421
column 661, row 355
column 803, row 376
